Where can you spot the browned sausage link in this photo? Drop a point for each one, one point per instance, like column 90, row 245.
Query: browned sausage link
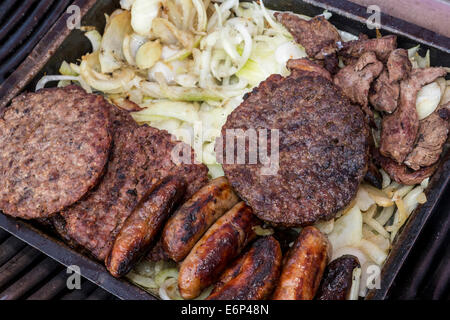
column 141, row 227
column 222, row 243
column 337, row 279
column 254, row 275
column 193, row 218
column 304, row 267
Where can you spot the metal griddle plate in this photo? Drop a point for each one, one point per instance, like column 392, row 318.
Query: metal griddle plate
column 58, row 45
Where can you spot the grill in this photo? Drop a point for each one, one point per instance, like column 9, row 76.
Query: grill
column 22, row 24
column 426, row 273
column 26, row 273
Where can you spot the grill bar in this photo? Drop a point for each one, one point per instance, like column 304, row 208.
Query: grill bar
column 17, row 264
column 30, row 280
column 29, row 31
column 16, row 18
column 439, row 284
column 9, row 248
column 28, row 274
column 5, row 7
column 99, row 294
column 52, row 288
column 3, row 235
column 87, row 288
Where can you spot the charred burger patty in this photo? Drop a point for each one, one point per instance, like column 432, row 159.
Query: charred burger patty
column 323, row 149
column 54, row 145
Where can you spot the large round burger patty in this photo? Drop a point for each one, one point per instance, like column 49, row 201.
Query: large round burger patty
column 54, row 145
column 323, row 149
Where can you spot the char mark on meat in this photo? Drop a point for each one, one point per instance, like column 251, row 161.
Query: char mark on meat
column 401, row 173
column 387, row 87
column 399, row 130
column 382, row 48
column 307, row 66
column 54, row 144
column 252, row 276
column 144, row 224
column 355, row 80
column 433, row 132
column 318, row 36
column 337, row 278
column 398, row 65
column 385, row 94
column 323, row 149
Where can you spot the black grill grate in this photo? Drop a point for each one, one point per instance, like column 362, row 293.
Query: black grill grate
column 22, row 24
column 426, row 273
column 26, row 273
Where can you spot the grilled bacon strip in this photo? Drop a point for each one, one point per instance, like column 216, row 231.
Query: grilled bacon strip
column 144, row 223
column 192, row 219
column 304, row 266
column 222, row 243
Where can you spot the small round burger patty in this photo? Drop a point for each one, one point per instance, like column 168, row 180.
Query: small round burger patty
column 54, row 145
column 323, row 150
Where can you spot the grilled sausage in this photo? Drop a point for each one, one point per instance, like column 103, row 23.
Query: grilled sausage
column 304, row 267
column 253, row 276
column 192, row 219
column 337, row 279
column 222, row 243
column 144, row 223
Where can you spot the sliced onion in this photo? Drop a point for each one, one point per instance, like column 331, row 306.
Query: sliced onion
column 66, row 70
column 260, row 231
column 428, row 99
column 169, row 290
column 161, row 67
column 354, row 251
column 288, row 50
column 142, row 14
column 373, row 251
column 325, row 226
column 103, row 82
column 386, row 179
column 201, row 15
column 347, row 229
column 222, row 14
column 271, row 21
column 126, row 4
column 111, row 52
column 354, row 289
column 385, row 215
column 43, row 81
column 144, row 281
column 148, row 54
column 95, row 38
column 169, row 34
column 131, row 45
column 165, row 274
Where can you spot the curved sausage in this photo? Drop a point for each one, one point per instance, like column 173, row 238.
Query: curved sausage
column 144, row 223
column 253, row 276
column 304, row 266
column 337, row 279
column 192, row 219
column 222, row 243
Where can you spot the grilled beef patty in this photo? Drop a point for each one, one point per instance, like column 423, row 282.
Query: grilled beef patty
column 54, row 146
column 323, row 149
